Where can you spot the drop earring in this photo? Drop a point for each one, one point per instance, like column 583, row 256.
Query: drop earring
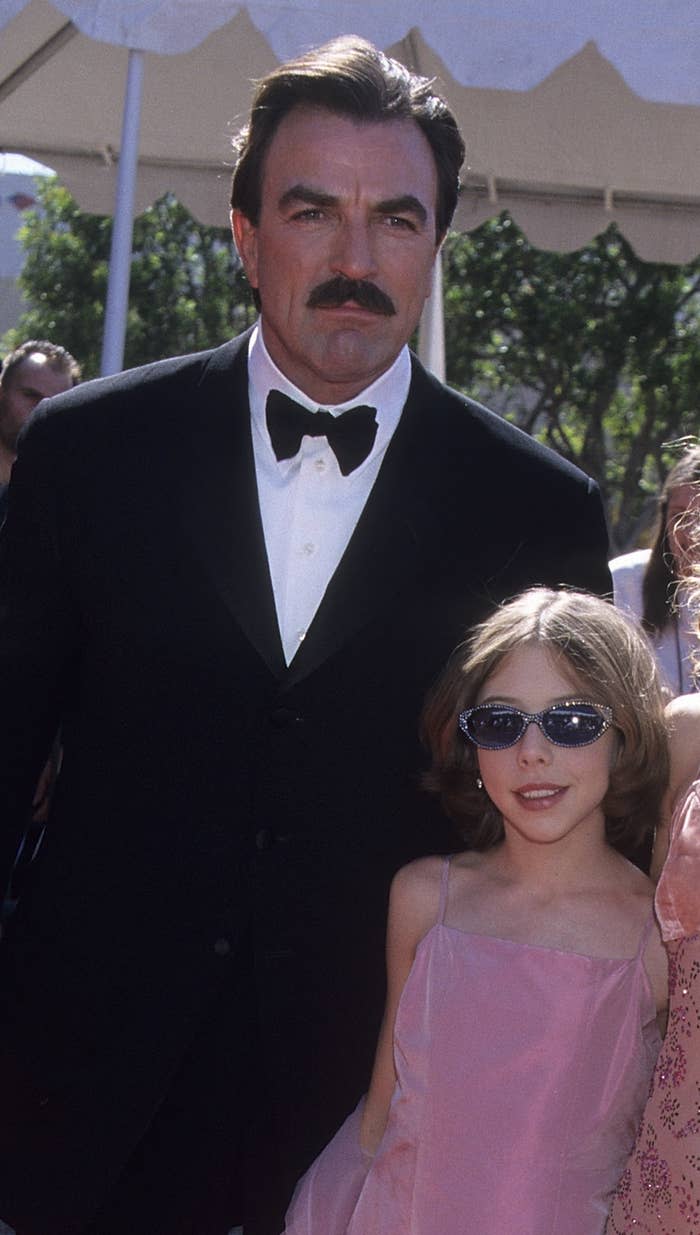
column 479, row 783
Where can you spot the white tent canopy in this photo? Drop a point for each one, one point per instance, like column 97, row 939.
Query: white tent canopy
column 575, row 114
column 507, row 44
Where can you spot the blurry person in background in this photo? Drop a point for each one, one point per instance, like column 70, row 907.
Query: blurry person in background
column 34, row 371
column 647, row 582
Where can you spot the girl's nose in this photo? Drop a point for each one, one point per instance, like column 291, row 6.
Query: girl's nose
column 534, row 746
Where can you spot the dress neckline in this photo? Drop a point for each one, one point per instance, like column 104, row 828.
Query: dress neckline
column 540, row 947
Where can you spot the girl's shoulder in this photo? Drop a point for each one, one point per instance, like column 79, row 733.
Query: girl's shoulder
column 683, row 716
column 419, row 889
column 627, row 877
column 418, row 884
column 683, row 719
column 424, row 878
column 683, row 705
column 414, row 905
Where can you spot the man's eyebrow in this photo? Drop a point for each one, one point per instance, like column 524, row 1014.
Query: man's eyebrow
column 310, row 197
column 407, row 204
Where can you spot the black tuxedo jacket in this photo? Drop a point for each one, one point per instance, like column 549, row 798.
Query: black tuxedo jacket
column 219, row 814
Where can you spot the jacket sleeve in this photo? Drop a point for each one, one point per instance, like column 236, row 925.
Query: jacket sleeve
column 39, row 634
column 553, row 534
column 585, row 565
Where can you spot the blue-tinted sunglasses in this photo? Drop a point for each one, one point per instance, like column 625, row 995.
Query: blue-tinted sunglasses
column 575, row 722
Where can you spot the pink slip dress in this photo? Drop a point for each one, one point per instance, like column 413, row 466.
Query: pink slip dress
column 522, row 1074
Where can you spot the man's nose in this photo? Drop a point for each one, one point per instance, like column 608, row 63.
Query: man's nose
column 353, row 251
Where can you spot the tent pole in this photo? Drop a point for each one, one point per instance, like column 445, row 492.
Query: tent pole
column 431, row 331
column 122, row 233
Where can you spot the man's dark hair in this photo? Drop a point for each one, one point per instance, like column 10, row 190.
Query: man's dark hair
column 58, row 359
column 350, row 77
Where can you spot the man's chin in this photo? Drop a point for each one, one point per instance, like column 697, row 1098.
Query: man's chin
column 349, row 354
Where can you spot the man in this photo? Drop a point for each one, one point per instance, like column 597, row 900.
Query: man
column 240, row 635
column 34, row 371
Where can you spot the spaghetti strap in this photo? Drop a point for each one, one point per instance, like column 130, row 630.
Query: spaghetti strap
column 444, row 884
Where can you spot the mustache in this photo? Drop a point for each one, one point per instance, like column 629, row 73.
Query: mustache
column 337, row 291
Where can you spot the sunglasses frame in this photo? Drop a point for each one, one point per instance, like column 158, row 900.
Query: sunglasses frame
column 536, row 718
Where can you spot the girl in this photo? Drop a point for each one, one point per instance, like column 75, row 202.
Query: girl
column 525, row 975
column 659, row 1192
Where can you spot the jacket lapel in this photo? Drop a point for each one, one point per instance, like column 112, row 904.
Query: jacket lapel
column 221, row 510
column 396, row 535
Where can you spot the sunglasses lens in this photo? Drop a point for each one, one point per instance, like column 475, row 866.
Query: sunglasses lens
column 495, row 726
column 575, row 725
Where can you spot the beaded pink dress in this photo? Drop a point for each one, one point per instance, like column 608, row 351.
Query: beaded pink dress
column 659, row 1192
column 522, row 1075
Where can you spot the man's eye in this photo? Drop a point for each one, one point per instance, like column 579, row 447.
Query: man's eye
column 310, row 212
column 400, row 222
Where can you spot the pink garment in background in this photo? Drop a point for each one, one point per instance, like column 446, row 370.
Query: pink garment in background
column 659, row 1193
column 522, row 1075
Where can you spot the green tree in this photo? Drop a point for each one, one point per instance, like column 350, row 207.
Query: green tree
column 187, row 290
column 595, row 352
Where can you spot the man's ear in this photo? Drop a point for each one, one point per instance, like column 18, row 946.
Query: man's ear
column 245, row 236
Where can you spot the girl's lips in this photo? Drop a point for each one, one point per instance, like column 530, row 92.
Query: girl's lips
column 539, row 797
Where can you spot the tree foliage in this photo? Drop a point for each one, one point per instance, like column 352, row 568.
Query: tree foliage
column 187, row 290
column 595, row 352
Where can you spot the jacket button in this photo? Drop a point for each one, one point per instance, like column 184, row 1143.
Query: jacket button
column 281, row 717
column 264, row 839
column 222, row 947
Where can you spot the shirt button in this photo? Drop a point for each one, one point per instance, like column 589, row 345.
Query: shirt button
column 222, row 947
column 309, row 548
column 281, row 717
column 301, row 635
column 320, row 466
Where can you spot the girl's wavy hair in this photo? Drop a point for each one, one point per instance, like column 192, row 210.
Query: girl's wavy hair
column 661, row 577
column 607, row 659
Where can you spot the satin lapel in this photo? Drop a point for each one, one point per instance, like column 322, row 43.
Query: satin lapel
column 221, row 512
column 396, row 535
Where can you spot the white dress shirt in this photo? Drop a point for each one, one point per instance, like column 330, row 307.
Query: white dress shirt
column 309, row 509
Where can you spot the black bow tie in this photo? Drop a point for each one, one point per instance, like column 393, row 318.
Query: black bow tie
column 350, row 435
